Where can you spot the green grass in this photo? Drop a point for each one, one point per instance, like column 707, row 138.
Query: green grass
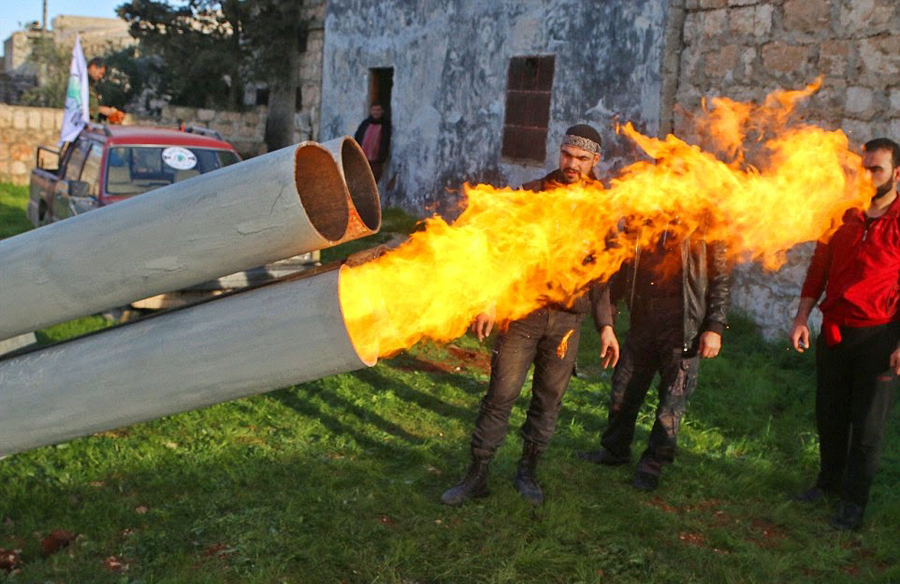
column 13, row 200
column 338, row 480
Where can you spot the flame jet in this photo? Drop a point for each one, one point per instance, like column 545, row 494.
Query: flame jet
column 517, row 250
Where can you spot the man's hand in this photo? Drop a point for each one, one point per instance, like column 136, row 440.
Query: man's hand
column 895, row 361
column 710, row 344
column 482, row 325
column 609, row 347
column 800, row 337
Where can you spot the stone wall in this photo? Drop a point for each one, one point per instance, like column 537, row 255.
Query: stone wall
column 245, row 130
column 744, row 49
column 22, row 130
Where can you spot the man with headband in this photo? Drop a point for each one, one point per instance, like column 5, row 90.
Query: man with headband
column 537, row 338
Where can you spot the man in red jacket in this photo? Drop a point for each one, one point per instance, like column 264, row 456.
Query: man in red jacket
column 857, row 355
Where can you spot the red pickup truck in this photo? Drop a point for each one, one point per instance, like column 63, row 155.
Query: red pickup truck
column 106, row 164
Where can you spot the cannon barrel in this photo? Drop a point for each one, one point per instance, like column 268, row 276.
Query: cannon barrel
column 246, row 343
column 291, row 201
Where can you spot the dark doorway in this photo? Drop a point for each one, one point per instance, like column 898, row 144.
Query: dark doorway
column 381, row 82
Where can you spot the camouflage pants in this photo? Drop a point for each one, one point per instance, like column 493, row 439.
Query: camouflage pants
column 651, row 348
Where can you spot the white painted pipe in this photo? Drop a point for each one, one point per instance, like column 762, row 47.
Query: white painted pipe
column 268, row 208
column 247, row 343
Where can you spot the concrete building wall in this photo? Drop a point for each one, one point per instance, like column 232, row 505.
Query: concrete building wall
column 744, row 49
column 450, row 60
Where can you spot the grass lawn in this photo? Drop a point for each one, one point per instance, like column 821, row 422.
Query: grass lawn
column 338, row 480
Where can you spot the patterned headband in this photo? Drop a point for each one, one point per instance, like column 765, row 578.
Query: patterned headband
column 581, row 142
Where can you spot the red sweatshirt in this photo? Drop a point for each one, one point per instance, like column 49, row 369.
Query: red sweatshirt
column 859, row 270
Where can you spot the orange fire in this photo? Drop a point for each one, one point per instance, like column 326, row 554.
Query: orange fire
column 563, row 347
column 777, row 184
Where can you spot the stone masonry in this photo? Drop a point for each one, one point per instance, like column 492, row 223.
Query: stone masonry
column 744, row 49
column 245, row 130
column 22, row 130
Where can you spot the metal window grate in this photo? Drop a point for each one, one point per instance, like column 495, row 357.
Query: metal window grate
column 528, row 90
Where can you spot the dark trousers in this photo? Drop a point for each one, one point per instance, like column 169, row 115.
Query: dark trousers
column 654, row 344
column 535, row 338
column 854, row 392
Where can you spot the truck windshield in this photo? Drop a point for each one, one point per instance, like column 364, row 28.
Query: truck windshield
column 132, row 170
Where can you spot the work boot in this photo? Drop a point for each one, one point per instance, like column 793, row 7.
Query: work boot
column 603, row 456
column 526, row 479
column 473, row 485
column 849, row 516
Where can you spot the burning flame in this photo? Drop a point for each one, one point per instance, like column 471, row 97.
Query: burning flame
column 776, row 185
column 563, row 347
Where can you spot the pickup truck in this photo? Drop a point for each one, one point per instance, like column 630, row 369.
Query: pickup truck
column 107, row 164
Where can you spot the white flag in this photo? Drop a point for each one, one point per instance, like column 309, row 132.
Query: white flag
column 77, row 112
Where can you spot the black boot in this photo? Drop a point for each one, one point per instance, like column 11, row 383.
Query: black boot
column 473, row 485
column 526, row 479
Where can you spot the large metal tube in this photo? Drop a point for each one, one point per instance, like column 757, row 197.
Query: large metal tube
column 247, row 343
column 268, row 208
column 365, row 209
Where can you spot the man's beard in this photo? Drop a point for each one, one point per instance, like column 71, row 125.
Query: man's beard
column 569, row 180
column 882, row 190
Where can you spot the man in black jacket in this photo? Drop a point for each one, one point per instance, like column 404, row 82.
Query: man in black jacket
column 677, row 293
column 548, row 337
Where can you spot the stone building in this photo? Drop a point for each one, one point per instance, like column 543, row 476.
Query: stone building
column 98, row 36
column 483, row 91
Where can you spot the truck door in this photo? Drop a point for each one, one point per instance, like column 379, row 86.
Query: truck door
column 73, row 194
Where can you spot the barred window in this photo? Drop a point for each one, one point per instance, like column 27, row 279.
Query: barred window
column 528, row 88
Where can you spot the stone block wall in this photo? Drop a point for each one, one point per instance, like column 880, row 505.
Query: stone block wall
column 22, row 130
column 743, row 49
column 245, row 130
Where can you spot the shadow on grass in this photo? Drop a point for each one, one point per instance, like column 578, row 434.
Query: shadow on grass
column 379, row 382
column 295, row 400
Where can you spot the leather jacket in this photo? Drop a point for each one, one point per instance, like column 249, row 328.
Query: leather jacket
column 706, row 286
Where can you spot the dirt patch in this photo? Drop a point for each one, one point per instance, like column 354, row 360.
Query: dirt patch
column 57, row 540
column 658, row 503
column 767, row 535
column 10, row 560
column 694, row 539
column 477, row 360
column 456, row 361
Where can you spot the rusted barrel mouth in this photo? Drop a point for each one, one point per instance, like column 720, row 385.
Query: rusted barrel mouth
column 361, row 184
column 322, row 190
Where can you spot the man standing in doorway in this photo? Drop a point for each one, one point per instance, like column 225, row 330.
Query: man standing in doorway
column 677, row 292
column 537, row 339
column 374, row 136
column 857, row 356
